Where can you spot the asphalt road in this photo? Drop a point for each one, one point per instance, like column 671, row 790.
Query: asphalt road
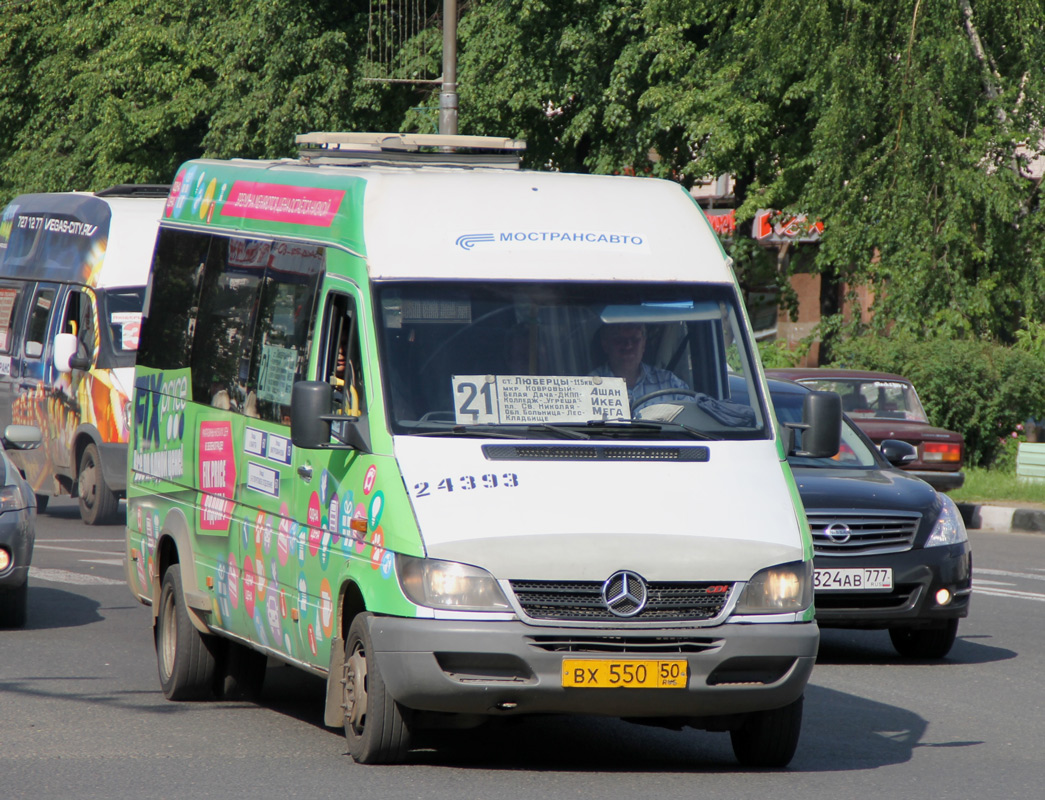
column 82, row 716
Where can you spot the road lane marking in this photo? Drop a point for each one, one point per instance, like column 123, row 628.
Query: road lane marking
column 1011, row 593
column 39, row 546
column 1007, row 574
column 109, row 562
column 72, row 578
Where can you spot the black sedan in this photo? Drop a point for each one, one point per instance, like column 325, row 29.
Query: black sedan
column 17, row 521
column 889, row 550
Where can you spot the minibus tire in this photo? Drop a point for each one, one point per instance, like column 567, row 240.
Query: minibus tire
column 41, row 503
column 14, row 604
column 376, row 726
column 768, row 739
column 925, row 642
column 97, row 502
column 184, row 657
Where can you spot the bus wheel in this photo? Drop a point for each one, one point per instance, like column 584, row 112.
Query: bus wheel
column 376, row 726
column 768, row 738
column 185, row 657
column 97, row 502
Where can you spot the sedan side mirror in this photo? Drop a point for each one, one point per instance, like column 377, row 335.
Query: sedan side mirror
column 898, row 453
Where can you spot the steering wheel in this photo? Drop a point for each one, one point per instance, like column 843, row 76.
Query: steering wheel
column 662, row 393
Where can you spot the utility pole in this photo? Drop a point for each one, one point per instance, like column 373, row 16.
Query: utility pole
column 448, row 91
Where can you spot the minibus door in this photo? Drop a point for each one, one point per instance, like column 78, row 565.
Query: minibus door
column 329, row 481
column 32, row 404
column 12, row 326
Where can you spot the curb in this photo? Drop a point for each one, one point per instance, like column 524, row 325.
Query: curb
column 1002, row 518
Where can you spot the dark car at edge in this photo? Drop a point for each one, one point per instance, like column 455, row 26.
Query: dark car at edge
column 890, row 551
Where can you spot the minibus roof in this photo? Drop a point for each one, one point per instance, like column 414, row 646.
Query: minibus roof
column 461, row 222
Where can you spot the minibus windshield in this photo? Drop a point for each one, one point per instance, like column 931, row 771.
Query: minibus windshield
column 567, row 360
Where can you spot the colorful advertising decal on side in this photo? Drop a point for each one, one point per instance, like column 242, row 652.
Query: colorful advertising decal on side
column 159, row 423
column 217, row 476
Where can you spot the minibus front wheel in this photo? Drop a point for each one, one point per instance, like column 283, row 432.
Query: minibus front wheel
column 768, row 739
column 185, row 657
column 376, row 726
column 97, row 502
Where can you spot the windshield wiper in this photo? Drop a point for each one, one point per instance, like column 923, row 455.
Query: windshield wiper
column 650, row 425
column 514, row 431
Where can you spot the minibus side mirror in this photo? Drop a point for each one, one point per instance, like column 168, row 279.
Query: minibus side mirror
column 21, row 437
column 310, row 420
column 66, row 346
column 821, row 426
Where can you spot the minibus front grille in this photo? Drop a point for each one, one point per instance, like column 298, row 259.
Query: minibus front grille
column 660, row 645
column 862, row 533
column 582, row 601
column 592, row 452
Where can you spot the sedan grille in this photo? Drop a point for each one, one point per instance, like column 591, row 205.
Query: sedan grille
column 582, row 601
column 862, row 533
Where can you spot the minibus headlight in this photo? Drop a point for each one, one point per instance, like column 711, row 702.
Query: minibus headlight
column 776, row 590
column 446, row 584
column 949, row 527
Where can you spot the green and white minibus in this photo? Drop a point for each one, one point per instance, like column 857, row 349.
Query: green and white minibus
column 468, row 442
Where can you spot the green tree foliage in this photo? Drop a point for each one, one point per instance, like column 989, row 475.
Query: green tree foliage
column 899, row 123
column 896, row 122
column 98, row 93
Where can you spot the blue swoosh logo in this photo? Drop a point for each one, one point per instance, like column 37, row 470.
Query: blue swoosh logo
column 466, row 241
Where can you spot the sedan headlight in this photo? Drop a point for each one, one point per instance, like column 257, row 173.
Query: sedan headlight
column 11, row 499
column 778, row 590
column 949, row 527
column 446, row 584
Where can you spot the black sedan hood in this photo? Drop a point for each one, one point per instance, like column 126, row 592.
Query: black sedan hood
column 890, row 489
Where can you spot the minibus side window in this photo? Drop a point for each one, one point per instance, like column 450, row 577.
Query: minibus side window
column 36, row 330
column 79, row 321
column 283, row 329
column 223, row 332
column 172, row 300
column 11, row 310
column 340, row 359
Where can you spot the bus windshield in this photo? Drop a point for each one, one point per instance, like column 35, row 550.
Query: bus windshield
column 567, row 360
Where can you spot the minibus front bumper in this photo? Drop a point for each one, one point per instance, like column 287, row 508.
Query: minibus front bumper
column 501, row 668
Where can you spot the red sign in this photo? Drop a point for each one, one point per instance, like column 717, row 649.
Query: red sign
column 724, row 221
column 275, row 202
column 785, row 228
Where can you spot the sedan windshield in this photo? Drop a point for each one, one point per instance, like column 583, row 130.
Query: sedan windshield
column 870, row 398
column 567, row 361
